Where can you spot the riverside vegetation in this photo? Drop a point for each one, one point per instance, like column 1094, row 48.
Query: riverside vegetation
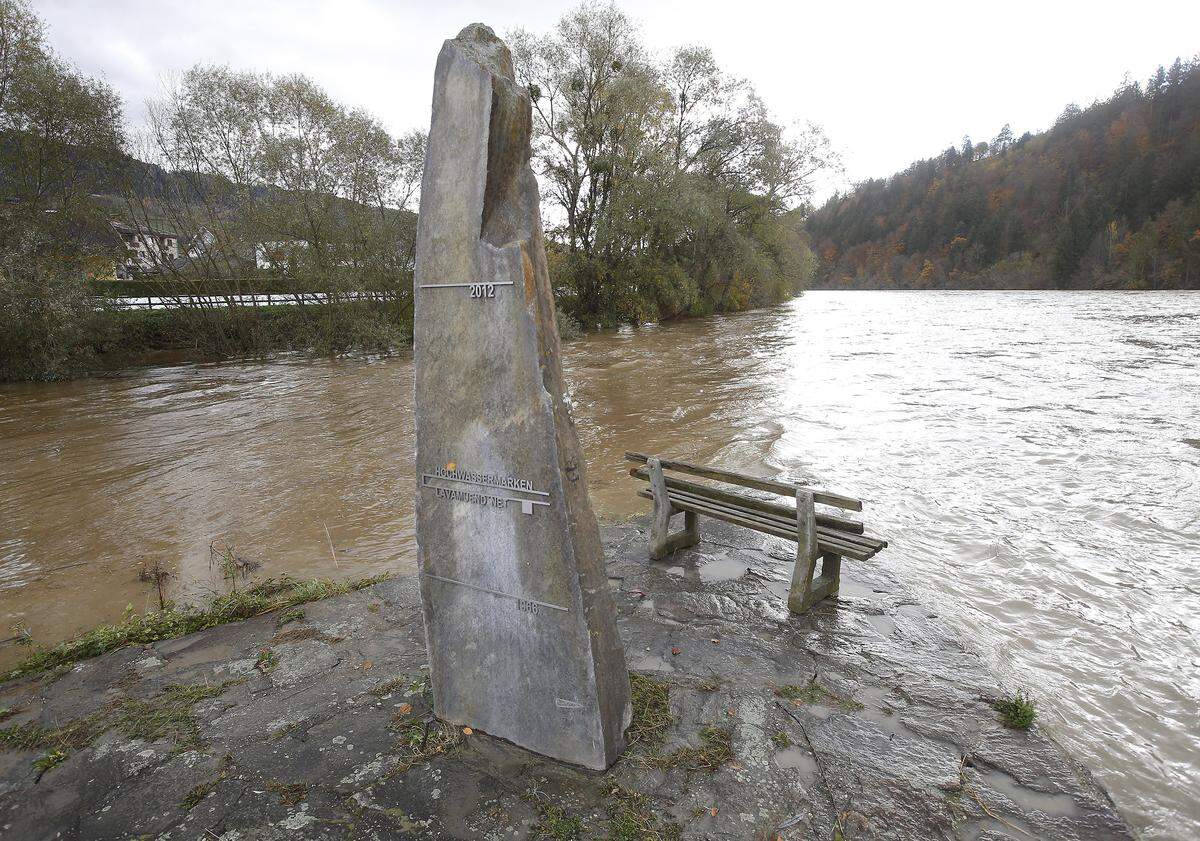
column 282, row 593
column 671, row 192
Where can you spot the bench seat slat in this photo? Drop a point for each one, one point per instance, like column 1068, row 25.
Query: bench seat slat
column 781, row 488
column 786, row 511
column 826, row 543
column 786, row 522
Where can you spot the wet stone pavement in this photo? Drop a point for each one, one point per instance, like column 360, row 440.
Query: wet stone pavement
column 864, row 719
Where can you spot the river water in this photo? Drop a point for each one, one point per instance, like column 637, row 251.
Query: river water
column 1033, row 457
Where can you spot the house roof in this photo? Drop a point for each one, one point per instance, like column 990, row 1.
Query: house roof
column 123, row 228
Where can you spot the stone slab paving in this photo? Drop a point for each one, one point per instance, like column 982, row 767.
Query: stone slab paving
column 864, row 719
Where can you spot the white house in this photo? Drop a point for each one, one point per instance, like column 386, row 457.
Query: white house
column 148, row 248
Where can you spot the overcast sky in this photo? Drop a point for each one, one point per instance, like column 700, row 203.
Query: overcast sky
column 891, row 82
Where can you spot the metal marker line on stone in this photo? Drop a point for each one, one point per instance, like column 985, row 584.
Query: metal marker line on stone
column 519, row 617
column 496, row 592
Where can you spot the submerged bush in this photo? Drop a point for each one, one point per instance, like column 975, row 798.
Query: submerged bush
column 47, row 318
column 1017, row 712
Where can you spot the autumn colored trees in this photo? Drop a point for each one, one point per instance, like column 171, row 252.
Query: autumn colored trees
column 1109, row 197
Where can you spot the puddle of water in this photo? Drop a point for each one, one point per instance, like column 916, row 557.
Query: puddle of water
column 884, row 625
column 1055, row 805
column 795, row 757
column 723, row 569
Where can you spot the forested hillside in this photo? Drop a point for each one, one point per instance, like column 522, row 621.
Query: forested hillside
column 1107, row 198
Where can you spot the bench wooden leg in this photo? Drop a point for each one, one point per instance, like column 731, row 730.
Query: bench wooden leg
column 831, row 571
column 807, row 591
column 662, row 542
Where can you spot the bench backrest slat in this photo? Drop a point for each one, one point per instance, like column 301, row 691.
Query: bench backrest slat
column 728, row 476
column 744, row 501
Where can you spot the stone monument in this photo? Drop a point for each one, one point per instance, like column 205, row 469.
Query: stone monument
column 519, row 618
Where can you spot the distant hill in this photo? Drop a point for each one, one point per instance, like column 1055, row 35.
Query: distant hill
column 1107, row 198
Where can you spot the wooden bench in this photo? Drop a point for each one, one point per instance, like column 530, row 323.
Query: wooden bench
column 816, row 534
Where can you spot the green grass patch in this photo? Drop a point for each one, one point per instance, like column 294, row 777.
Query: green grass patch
column 631, row 818
column 294, row 614
column 290, row 794
column 50, row 760
column 167, row 715
column 781, row 740
column 192, row 799
column 814, row 693
column 121, row 336
column 422, row 736
column 174, row 621
column 715, row 749
column 266, row 661
column 651, row 712
column 555, row 822
column 1017, row 712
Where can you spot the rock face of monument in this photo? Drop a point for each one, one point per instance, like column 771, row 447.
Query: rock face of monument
column 519, row 616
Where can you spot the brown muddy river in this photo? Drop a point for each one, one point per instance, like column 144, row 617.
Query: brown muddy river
column 1034, row 459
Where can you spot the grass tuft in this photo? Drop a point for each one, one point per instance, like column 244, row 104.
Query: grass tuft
column 814, row 693
column 173, row 621
column 1017, row 712
column 651, row 711
column 266, row 661
column 716, row 748
column 294, row 614
column 166, row 715
column 422, row 737
column 631, row 818
column 192, row 799
column 555, row 822
column 50, row 760
column 782, row 740
column 204, row 789
column 290, row 794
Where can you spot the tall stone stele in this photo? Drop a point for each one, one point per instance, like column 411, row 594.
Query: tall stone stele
column 519, row 617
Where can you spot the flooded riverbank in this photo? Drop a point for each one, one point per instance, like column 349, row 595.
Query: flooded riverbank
column 869, row 716
column 1032, row 457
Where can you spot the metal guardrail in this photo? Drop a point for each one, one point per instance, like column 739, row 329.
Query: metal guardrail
column 165, row 302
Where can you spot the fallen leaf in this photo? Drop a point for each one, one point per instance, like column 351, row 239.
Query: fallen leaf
column 713, row 811
column 368, row 664
column 676, row 651
column 404, row 709
column 467, row 731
